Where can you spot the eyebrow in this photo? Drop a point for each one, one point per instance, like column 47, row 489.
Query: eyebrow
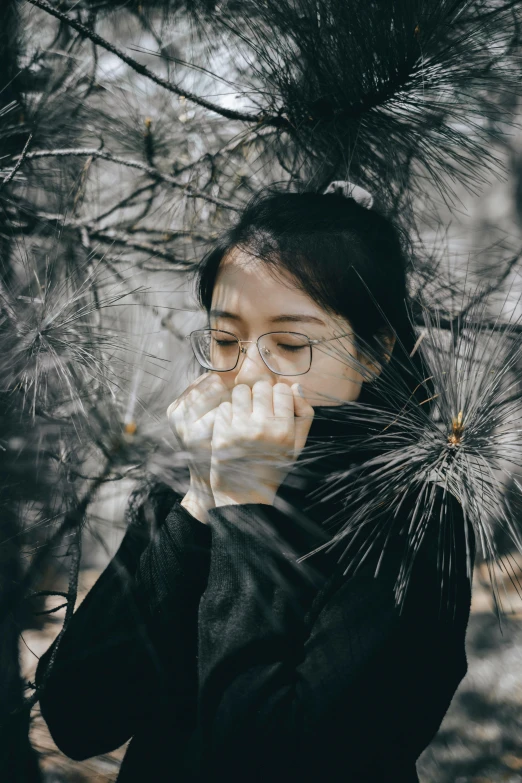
column 284, row 318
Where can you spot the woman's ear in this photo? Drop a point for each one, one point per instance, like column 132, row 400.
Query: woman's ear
column 386, row 339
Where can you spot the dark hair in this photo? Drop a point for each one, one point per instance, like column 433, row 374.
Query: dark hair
column 349, row 259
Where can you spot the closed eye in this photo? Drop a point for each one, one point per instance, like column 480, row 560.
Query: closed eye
column 291, row 348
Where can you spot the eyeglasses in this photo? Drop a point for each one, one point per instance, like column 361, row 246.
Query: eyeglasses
column 284, row 353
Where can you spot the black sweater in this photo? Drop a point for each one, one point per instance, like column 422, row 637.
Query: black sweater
column 219, row 654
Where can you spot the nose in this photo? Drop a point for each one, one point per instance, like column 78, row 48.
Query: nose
column 252, row 368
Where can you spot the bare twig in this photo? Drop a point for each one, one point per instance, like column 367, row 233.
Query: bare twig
column 134, row 164
column 168, row 234
column 19, row 162
column 126, row 201
column 110, row 263
column 164, row 235
column 122, row 239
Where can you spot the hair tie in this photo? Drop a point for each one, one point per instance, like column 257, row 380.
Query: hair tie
column 343, row 187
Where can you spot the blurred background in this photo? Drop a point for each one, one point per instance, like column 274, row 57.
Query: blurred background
column 131, row 133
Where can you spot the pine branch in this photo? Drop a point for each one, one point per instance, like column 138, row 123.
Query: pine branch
column 449, row 324
column 144, row 71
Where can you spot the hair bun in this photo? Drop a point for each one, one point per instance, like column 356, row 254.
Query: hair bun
column 343, row 187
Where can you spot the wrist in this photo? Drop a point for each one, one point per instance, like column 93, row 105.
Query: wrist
column 234, row 499
column 197, row 502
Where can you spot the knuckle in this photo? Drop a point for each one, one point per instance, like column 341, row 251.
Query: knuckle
column 172, row 407
column 176, row 422
column 281, row 436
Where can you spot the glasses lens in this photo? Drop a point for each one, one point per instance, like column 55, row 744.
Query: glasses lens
column 286, row 353
column 215, row 349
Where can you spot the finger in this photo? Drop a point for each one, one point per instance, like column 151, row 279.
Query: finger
column 206, row 393
column 200, row 432
column 175, row 404
column 210, row 389
column 216, row 392
column 241, row 400
column 222, row 422
column 209, row 418
column 200, row 448
column 301, row 406
column 202, row 379
column 283, row 401
column 262, row 399
column 304, row 414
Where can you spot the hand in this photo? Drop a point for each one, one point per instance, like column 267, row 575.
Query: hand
column 191, row 417
column 256, row 438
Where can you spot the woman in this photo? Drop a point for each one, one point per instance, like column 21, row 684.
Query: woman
column 205, row 639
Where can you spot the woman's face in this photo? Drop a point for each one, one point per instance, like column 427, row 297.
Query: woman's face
column 249, row 301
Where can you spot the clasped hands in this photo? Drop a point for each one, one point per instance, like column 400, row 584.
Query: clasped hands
column 241, row 441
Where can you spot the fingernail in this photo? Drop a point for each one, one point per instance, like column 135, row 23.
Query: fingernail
column 300, row 390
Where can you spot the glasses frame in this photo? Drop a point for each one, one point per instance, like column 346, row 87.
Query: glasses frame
column 311, row 343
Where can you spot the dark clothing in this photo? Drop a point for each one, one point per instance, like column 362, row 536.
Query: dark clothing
column 219, row 654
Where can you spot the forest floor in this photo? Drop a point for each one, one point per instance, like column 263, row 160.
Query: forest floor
column 479, row 741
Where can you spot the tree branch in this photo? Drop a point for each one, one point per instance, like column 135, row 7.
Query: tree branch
column 134, row 164
column 19, row 162
column 144, row 71
column 120, row 238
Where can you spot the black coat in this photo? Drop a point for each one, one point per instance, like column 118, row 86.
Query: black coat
column 220, row 655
